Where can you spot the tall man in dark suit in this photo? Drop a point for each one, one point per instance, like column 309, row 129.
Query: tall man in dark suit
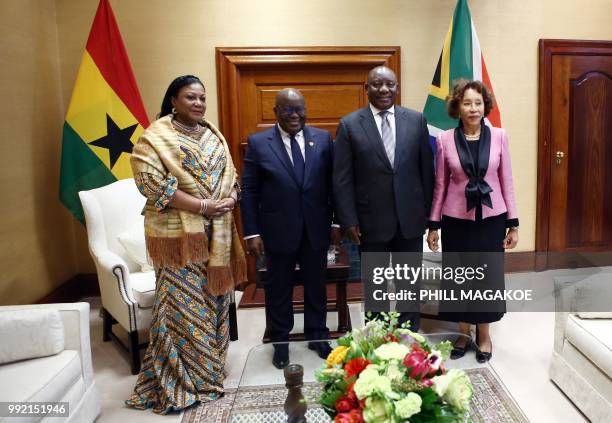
column 384, row 175
column 286, row 210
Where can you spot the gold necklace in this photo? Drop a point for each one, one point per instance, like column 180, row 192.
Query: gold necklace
column 193, row 132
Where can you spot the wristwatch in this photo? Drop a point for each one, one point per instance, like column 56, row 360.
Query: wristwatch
column 514, row 228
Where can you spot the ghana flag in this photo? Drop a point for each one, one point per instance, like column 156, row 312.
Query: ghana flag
column 105, row 116
column 461, row 57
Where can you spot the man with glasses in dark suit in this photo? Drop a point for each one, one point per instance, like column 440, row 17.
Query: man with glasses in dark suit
column 286, row 208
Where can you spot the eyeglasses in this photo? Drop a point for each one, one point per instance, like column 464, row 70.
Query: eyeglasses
column 288, row 111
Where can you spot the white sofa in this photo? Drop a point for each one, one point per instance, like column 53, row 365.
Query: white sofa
column 66, row 376
column 581, row 364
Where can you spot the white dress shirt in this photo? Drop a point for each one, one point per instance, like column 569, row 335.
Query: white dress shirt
column 299, row 137
column 378, row 119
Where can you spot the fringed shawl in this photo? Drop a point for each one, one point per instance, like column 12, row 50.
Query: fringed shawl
column 176, row 237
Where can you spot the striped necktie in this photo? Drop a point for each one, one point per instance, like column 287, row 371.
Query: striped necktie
column 387, row 136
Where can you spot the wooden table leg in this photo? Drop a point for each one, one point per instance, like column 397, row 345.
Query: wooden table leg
column 343, row 311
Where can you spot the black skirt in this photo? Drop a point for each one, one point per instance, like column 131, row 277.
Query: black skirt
column 477, row 238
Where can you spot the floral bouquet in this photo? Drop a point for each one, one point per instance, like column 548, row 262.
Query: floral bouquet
column 385, row 373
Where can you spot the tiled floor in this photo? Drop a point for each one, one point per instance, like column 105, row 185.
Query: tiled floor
column 522, row 349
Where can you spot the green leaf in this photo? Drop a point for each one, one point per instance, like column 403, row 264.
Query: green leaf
column 344, row 341
column 445, row 348
column 329, row 397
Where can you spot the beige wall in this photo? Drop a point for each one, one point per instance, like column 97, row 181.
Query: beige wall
column 36, row 242
column 165, row 39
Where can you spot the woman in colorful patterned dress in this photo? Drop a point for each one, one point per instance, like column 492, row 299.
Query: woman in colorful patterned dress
column 183, row 166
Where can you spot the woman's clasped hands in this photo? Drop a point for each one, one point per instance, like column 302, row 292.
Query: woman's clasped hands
column 216, row 208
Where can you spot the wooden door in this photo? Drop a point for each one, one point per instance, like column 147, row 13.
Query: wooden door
column 575, row 151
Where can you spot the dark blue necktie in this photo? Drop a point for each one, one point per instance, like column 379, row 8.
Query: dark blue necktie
column 298, row 160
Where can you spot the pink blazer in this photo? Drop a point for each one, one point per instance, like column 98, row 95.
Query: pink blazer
column 449, row 192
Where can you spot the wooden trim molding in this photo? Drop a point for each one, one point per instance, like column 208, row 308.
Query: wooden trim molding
column 547, row 49
column 521, row 261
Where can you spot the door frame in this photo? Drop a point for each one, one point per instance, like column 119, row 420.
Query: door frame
column 548, row 48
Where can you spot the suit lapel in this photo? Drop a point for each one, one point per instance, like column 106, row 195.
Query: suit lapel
column 310, row 150
column 369, row 126
column 278, row 148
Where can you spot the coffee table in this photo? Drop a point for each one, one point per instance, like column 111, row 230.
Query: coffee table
column 261, row 393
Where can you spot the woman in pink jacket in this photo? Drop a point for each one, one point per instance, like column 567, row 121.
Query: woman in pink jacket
column 474, row 206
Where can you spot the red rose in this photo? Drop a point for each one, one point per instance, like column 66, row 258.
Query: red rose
column 390, row 338
column 353, row 416
column 355, row 366
column 349, row 401
column 350, row 393
column 418, row 364
column 344, row 404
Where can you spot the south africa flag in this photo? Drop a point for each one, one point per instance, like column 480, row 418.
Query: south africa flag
column 105, row 116
column 461, row 57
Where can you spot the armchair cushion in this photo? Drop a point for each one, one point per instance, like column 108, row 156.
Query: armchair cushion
column 143, row 288
column 594, row 339
column 595, row 315
column 133, row 241
column 30, row 333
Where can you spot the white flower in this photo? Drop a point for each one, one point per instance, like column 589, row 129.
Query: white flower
column 369, row 381
column 407, row 332
column 435, row 359
column 408, row 406
column 377, row 411
column 454, row 387
column 392, row 350
column 394, row 372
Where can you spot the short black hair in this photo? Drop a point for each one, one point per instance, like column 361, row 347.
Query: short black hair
column 453, row 100
column 173, row 90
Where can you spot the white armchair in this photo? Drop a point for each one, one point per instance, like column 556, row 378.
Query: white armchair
column 115, row 231
column 127, row 292
column 47, row 358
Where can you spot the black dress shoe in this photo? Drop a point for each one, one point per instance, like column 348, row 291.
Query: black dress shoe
column 482, row 356
column 321, row 348
column 281, row 356
column 458, row 352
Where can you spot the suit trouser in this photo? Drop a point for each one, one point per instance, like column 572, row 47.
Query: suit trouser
column 399, row 244
column 279, row 291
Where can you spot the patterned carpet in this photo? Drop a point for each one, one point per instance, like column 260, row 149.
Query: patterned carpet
column 490, row 404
